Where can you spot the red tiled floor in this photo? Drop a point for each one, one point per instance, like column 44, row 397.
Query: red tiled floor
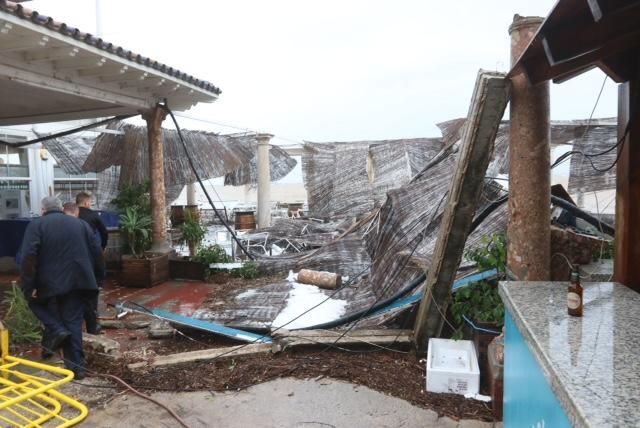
column 181, row 297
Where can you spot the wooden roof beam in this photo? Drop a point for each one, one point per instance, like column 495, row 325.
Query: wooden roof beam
column 600, row 9
column 564, row 43
column 539, row 69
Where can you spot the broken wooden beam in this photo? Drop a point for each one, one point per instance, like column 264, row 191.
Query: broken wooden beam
column 203, row 355
column 284, row 339
column 490, row 97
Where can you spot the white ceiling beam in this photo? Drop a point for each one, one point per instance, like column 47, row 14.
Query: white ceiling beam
column 44, row 55
column 22, row 43
column 81, row 90
column 79, row 64
column 85, row 48
column 64, row 116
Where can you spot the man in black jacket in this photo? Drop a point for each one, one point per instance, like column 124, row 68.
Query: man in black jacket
column 83, row 201
column 61, row 260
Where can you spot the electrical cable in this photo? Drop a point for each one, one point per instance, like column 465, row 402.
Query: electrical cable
column 68, row 132
column 122, row 382
column 189, row 158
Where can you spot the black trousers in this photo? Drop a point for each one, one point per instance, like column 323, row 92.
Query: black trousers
column 91, row 313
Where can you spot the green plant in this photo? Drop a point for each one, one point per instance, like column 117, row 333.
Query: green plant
column 248, row 270
column 212, row 254
column 19, row 319
column 480, row 301
column 492, row 254
column 134, row 196
column 193, row 233
column 137, row 229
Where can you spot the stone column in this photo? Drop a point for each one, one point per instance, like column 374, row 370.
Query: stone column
column 528, row 232
column 154, row 118
column 264, row 181
column 191, row 194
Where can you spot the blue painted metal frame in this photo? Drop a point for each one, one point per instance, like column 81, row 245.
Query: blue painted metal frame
column 211, row 327
column 528, row 398
column 412, row 300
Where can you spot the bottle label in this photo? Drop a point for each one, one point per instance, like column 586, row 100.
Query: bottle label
column 573, row 300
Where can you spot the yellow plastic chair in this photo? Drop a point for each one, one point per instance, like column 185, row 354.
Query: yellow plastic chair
column 29, row 395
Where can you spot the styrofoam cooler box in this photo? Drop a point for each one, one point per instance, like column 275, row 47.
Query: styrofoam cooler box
column 452, row 366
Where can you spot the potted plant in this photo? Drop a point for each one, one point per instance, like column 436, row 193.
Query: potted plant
column 478, row 305
column 213, row 254
column 188, row 267
column 139, row 268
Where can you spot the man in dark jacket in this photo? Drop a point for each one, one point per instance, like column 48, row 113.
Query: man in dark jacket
column 61, row 260
column 83, row 201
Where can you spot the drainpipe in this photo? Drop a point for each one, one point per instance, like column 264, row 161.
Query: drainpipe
column 264, row 181
column 528, row 231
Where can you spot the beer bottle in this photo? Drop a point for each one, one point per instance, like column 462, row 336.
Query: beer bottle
column 574, row 294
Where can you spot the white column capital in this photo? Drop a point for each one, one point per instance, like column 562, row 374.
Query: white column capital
column 264, row 139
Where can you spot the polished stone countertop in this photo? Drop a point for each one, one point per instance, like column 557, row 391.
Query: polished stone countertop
column 592, row 362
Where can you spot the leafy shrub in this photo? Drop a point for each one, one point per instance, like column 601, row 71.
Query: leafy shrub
column 193, row 233
column 492, row 254
column 212, row 254
column 137, row 229
column 135, row 196
column 23, row 325
column 480, row 301
column 248, row 270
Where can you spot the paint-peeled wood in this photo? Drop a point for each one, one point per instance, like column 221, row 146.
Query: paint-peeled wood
column 327, row 280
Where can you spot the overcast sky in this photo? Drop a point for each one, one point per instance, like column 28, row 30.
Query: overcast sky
column 330, row 70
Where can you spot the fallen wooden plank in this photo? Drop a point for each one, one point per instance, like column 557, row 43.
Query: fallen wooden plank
column 490, row 97
column 203, row 355
column 321, row 338
column 337, row 333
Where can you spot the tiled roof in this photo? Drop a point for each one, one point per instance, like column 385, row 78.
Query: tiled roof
column 45, row 21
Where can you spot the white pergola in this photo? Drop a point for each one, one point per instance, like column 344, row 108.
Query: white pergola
column 50, row 72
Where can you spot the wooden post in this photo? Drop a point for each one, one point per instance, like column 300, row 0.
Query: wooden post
column 154, row 118
column 528, row 231
column 490, row 98
column 627, row 242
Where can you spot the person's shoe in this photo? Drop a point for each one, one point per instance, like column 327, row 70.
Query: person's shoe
column 78, row 375
column 56, row 341
column 46, row 354
column 97, row 330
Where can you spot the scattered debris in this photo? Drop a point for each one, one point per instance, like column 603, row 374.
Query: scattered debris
column 322, row 279
column 101, row 344
column 160, row 329
column 284, row 339
column 202, row 355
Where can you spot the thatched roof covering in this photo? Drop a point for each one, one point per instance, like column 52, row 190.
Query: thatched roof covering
column 213, row 155
column 70, row 152
column 351, row 178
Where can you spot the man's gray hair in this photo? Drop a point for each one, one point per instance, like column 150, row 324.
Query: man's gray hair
column 51, row 203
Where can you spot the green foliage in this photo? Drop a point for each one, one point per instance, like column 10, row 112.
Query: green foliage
column 606, row 253
column 193, row 233
column 212, row 254
column 135, row 196
column 137, row 229
column 480, row 301
column 248, row 270
column 492, row 254
column 23, row 325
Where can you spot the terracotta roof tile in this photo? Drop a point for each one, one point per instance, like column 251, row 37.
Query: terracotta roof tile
column 91, row 40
